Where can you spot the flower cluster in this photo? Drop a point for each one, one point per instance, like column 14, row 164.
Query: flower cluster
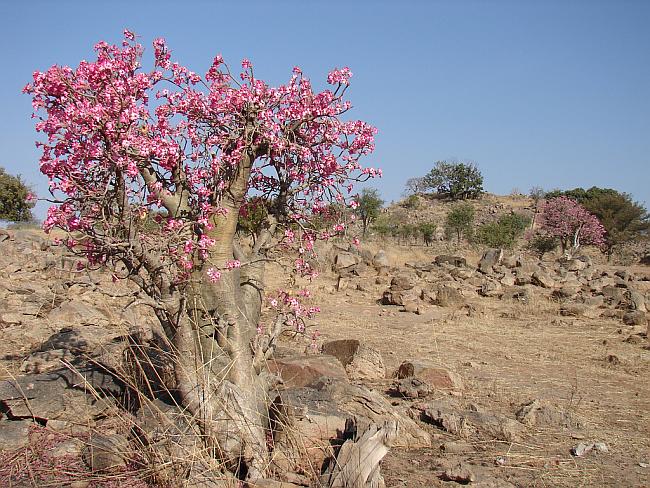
column 124, row 147
column 569, row 221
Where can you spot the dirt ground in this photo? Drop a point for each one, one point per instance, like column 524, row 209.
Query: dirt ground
column 508, row 355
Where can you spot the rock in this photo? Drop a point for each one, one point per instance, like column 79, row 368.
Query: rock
column 567, row 290
column 398, row 297
column 540, row 278
column 450, row 260
column 457, row 447
column 517, row 294
column 507, row 280
column 402, row 282
column 71, row 447
column 573, row 310
column 345, row 260
column 61, row 395
column 459, row 473
column 635, row 317
column 411, row 388
column 447, row 296
column 361, row 362
column 585, row 448
column 542, row 414
column 342, row 283
column 380, row 260
column 306, row 424
column 636, row 300
column 448, row 416
column 106, row 452
column 435, row 376
column 490, row 258
column 613, row 295
column 299, row 371
column 44, row 361
column 271, row 484
column 490, row 288
column 625, row 275
column 14, row 434
column 360, row 402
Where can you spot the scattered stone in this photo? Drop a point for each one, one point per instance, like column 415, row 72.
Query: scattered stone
column 542, row 414
column 14, row 434
column 635, row 317
column 299, row 371
column 543, row 279
column 402, row 282
column 451, row 260
column 106, row 452
column 460, row 473
column 361, row 362
column 457, row 447
column 585, row 448
column 490, row 258
column 411, row 388
column 380, row 260
column 345, row 260
column 435, row 376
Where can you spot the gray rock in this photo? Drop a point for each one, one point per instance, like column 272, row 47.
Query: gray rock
column 14, row 434
column 490, row 258
column 361, row 362
column 105, row 453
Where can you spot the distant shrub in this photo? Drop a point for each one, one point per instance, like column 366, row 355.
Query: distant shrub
column 504, row 232
column 542, row 243
column 412, row 202
column 428, row 231
column 459, row 221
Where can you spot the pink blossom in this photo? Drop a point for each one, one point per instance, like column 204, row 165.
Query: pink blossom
column 213, row 275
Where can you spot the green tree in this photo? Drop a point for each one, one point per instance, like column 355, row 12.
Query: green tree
column 369, row 208
column 16, row 201
column 624, row 219
column 428, row 232
column 459, row 221
column 459, row 181
column 504, row 232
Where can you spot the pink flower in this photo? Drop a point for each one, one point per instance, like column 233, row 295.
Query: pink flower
column 213, row 275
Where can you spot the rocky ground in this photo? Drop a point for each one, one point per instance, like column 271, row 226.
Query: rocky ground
column 498, row 372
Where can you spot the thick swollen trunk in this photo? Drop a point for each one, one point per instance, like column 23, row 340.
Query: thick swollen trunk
column 216, row 373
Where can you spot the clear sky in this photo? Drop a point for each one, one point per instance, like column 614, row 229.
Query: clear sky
column 538, row 93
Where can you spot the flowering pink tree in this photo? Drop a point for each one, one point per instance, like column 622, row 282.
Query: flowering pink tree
column 150, row 172
column 571, row 223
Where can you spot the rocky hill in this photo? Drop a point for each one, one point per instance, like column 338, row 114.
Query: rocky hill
column 493, row 370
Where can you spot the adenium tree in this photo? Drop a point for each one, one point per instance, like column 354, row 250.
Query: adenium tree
column 150, row 172
column 568, row 221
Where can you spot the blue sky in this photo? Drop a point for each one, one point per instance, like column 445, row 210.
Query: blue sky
column 538, row 93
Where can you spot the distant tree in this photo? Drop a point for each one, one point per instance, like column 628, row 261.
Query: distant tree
column 369, row 207
column 428, row 232
column 537, row 193
column 16, row 199
column 504, row 232
column 459, row 221
column 569, row 222
column 459, row 181
column 624, row 219
column 415, row 185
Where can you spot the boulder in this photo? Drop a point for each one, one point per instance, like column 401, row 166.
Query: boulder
column 391, row 297
column 435, row 376
column 380, row 260
column 69, row 397
column 543, row 279
column 538, row 413
column 490, row 288
column 457, row 261
column 299, row 371
column 361, row 362
column 635, row 317
column 490, row 258
column 345, row 260
column 402, row 282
